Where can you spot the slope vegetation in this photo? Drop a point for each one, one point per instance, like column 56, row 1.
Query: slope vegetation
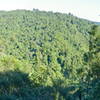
column 44, row 55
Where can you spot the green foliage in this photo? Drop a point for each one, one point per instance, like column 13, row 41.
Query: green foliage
column 95, row 61
column 48, row 56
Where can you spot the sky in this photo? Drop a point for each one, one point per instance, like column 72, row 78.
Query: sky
column 87, row 9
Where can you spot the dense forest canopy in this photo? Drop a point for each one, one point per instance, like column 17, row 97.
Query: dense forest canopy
column 48, row 56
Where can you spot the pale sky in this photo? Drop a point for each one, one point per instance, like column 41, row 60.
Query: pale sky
column 88, row 9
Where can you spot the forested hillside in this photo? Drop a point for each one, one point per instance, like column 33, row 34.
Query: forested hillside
column 48, row 56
